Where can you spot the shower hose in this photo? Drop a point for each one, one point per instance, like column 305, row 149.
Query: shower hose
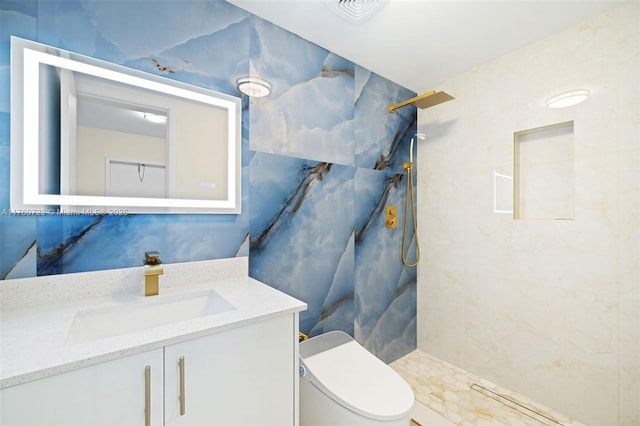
column 410, row 195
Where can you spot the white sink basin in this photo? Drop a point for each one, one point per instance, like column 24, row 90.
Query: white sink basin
column 152, row 312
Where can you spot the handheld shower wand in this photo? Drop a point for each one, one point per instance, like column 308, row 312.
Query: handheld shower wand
column 411, row 152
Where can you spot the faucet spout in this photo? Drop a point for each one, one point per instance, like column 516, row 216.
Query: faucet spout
column 152, row 271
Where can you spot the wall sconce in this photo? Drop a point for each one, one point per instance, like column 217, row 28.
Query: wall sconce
column 253, row 86
column 567, row 99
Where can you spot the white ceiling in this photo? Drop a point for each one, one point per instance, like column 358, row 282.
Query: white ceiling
column 418, row 43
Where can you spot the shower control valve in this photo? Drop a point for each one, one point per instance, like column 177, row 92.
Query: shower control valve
column 392, row 217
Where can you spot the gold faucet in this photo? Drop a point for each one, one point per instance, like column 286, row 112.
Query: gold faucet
column 152, row 271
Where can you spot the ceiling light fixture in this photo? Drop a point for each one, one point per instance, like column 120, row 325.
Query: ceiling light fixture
column 155, row 118
column 567, row 99
column 356, row 10
column 253, row 86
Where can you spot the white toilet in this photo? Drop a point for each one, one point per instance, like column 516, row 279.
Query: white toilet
column 342, row 384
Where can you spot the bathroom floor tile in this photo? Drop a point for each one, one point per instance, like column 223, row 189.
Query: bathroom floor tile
column 421, row 415
column 467, row 400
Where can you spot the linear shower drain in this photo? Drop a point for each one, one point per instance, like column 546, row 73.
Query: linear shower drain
column 522, row 408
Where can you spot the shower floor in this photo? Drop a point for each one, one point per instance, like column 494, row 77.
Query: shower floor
column 468, row 400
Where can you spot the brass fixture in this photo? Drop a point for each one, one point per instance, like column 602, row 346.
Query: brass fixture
column 152, row 271
column 410, row 195
column 426, row 100
column 392, row 217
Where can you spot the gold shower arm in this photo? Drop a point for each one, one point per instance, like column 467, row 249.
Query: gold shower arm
column 392, row 108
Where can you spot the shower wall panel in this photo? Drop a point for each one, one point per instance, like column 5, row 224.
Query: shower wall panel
column 545, row 306
column 326, row 157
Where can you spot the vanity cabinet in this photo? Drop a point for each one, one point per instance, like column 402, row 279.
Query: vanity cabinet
column 107, row 394
column 241, row 376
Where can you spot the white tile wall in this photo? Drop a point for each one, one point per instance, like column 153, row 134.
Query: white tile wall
column 550, row 309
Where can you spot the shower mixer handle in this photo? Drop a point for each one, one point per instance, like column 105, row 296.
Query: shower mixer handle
column 391, row 221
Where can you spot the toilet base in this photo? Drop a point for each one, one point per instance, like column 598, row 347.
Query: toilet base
column 317, row 409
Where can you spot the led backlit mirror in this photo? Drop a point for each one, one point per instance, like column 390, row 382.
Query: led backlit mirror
column 92, row 136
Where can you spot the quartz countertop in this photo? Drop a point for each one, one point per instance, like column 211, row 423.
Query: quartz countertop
column 34, row 335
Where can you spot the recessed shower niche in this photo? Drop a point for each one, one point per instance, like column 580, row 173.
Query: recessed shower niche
column 544, row 169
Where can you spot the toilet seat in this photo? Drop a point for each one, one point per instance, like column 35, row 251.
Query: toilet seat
column 356, row 379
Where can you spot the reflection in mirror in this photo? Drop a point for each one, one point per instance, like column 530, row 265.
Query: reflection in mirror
column 108, row 136
column 125, row 143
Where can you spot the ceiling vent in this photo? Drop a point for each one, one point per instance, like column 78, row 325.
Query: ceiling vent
column 356, row 10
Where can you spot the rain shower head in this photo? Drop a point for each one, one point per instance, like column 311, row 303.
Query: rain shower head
column 426, row 100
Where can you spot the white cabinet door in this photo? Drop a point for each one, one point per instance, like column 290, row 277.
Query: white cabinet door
column 107, row 394
column 243, row 376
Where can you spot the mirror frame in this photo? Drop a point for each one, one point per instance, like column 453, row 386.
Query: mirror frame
column 26, row 58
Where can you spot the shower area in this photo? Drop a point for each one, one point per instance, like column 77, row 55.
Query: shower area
column 537, row 316
column 445, row 394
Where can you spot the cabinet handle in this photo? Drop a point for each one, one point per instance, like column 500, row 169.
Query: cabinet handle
column 147, row 396
column 182, row 395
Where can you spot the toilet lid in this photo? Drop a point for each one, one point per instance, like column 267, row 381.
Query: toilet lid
column 359, row 381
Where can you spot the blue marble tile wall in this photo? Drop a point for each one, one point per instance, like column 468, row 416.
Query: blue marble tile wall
column 321, row 159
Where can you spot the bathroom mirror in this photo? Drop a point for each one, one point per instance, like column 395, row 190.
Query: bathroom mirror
column 88, row 136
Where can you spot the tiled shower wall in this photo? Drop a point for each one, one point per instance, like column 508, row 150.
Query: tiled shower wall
column 547, row 306
column 321, row 158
